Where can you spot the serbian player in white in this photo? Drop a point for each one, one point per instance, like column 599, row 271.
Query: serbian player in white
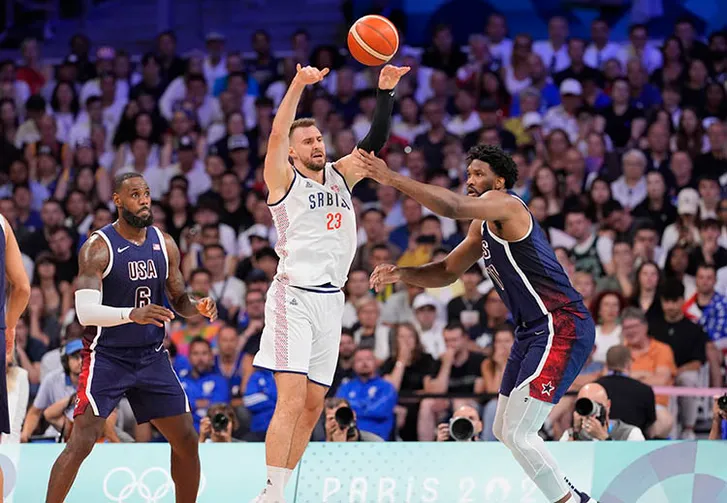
column 313, row 213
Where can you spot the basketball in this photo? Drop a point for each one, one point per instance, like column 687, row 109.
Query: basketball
column 373, row 40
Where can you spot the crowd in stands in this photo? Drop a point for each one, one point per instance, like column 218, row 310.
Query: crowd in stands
column 622, row 156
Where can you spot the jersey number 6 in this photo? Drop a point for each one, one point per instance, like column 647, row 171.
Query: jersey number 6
column 142, row 296
column 333, row 221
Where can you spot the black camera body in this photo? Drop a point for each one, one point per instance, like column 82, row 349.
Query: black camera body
column 722, row 403
column 220, row 422
column 461, row 429
column 346, row 419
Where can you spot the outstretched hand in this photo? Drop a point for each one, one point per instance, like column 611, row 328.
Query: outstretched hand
column 309, row 74
column 390, row 75
column 367, row 165
column 383, row 275
column 207, row 308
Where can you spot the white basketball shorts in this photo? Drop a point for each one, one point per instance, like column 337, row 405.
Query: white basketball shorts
column 302, row 332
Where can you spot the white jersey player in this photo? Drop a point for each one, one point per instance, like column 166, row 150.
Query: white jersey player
column 313, row 213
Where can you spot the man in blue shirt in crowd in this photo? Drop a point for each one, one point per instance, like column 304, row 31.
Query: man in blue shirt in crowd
column 371, row 397
column 260, row 397
column 204, row 386
column 719, row 421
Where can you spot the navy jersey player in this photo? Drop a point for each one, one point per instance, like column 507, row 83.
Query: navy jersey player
column 14, row 295
column 554, row 331
column 125, row 269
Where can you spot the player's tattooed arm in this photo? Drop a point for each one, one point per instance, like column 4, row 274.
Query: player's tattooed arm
column 92, row 262
column 179, row 298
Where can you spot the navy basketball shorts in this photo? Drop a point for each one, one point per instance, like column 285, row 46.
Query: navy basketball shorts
column 549, row 353
column 145, row 377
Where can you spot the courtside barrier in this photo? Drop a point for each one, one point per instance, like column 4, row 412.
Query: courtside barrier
column 614, row 472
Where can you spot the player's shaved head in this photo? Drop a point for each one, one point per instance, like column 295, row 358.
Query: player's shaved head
column 119, row 180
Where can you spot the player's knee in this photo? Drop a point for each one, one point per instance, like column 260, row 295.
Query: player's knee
column 81, row 444
column 498, row 430
column 186, row 444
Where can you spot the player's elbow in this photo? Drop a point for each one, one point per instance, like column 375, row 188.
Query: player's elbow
column 21, row 288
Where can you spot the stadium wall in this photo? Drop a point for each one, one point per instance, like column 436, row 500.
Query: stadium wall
column 614, row 472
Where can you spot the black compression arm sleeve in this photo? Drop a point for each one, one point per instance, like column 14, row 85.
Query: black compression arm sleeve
column 378, row 134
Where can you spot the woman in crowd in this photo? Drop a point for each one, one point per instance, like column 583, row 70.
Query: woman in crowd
column 492, row 370
column 605, row 309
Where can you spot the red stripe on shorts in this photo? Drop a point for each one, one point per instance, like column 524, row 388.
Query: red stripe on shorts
column 81, row 398
column 545, row 385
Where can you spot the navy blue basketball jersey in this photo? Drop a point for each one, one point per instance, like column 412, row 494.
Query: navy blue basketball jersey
column 526, row 273
column 3, row 297
column 135, row 276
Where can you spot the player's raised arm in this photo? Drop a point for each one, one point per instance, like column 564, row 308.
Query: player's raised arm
column 19, row 285
column 276, row 172
column 92, row 262
column 181, row 301
column 492, row 205
column 434, row 274
column 380, row 128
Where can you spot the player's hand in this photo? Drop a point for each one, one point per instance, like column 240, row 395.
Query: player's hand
column 390, row 75
column 207, row 308
column 151, row 314
column 367, row 165
column 442, row 432
column 309, row 74
column 384, row 274
column 10, row 345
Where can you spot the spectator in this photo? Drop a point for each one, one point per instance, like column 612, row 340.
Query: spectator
column 707, row 307
column 357, row 289
column 371, row 333
column 709, row 250
column 688, row 343
column 398, row 307
column 684, row 230
column 646, row 290
column 227, row 290
column 228, row 360
column 605, row 309
column 344, row 367
column 214, row 429
column 468, row 308
column 657, row 206
column 444, row 433
column 252, row 323
column 492, row 370
column 599, row 427
column 336, row 432
column 204, row 386
column 371, row 397
column 652, row 361
column 260, row 397
column 406, row 369
column 633, row 402
column 59, row 386
column 443, row 54
column 554, row 51
column 591, row 253
column 578, row 68
column 458, row 372
column 428, row 324
column 719, row 422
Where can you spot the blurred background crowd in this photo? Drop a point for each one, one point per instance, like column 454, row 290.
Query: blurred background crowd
column 622, row 153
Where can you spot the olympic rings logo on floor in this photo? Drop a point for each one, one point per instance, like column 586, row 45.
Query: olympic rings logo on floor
column 138, row 485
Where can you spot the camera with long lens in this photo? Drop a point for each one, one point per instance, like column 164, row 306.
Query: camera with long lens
column 461, row 429
column 586, row 407
column 345, row 419
column 220, row 422
column 722, row 403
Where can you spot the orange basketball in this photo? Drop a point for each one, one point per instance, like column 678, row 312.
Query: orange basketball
column 373, row 40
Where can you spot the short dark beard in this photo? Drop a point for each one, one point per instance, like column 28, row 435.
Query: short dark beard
column 314, row 166
column 136, row 221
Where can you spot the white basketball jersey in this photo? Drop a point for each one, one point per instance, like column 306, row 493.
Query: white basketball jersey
column 316, row 227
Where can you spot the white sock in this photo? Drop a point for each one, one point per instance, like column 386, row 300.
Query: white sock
column 275, row 484
column 288, row 474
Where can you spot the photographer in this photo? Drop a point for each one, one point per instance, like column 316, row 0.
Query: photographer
column 219, row 423
column 465, row 426
column 719, row 419
column 341, row 423
column 591, row 421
